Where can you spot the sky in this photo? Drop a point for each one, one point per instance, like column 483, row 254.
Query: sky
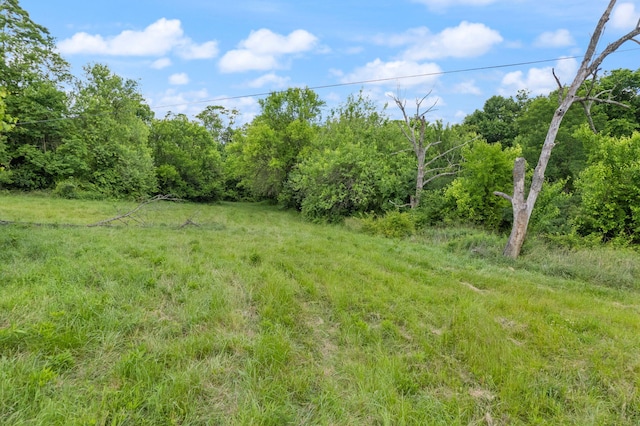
column 187, row 54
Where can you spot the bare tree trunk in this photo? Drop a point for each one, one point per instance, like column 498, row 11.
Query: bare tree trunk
column 522, row 209
column 415, row 200
column 414, row 129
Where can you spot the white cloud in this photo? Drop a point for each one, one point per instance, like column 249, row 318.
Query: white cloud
column 336, row 72
column 467, row 88
column 625, row 16
column 266, row 42
column 245, row 60
column 190, row 50
column 388, row 73
column 158, row 39
column 263, row 48
column 460, row 116
column 179, row 102
column 161, row 63
column 179, row 79
column 192, row 102
column 539, row 81
column 559, row 38
column 408, row 37
column 248, row 107
column 270, row 79
column 466, row 40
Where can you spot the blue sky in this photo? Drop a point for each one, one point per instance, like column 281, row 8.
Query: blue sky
column 188, row 54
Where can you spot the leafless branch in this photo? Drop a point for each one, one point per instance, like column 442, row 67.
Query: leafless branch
column 553, row 71
column 503, row 195
column 131, row 214
column 587, row 111
column 188, row 222
column 602, row 101
column 588, row 100
column 419, row 104
column 612, row 47
column 439, row 175
column 450, row 150
column 560, row 87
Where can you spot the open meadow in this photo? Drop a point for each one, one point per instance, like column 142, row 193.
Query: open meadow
column 245, row 314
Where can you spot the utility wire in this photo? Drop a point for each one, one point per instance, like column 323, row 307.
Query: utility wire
column 351, row 83
column 379, row 80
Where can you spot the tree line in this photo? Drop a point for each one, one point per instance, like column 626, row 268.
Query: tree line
column 95, row 137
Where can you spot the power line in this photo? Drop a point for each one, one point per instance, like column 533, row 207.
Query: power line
column 379, row 80
column 351, row 83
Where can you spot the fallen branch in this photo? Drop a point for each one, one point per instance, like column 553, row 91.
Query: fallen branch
column 188, row 222
column 131, row 213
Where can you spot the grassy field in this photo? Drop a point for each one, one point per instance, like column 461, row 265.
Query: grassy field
column 244, row 314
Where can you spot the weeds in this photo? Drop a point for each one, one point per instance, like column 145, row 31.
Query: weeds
column 256, row 317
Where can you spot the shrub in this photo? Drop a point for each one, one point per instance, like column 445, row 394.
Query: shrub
column 554, row 209
column 76, row 190
column 610, row 189
column 393, row 224
column 485, row 168
column 435, row 208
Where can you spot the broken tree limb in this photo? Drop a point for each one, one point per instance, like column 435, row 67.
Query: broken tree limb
column 131, row 213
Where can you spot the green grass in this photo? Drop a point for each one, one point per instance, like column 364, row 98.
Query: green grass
column 257, row 317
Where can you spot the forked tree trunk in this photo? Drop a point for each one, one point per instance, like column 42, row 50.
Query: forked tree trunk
column 522, row 208
column 520, row 213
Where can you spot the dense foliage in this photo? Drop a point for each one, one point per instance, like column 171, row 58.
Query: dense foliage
column 486, row 168
column 95, row 137
column 356, row 164
column 187, row 160
column 610, row 188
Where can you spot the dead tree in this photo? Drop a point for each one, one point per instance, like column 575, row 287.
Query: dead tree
column 414, row 130
column 522, row 207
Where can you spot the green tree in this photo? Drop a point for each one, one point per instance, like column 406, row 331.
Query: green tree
column 619, row 92
column 219, row 122
column 33, row 74
column 28, row 51
column 42, row 111
column 496, row 122
column 485, row 169
column 108, row 148
column 357, row 164
column 571, row 156
column 6, row 125
column 265, row 151
column 188, row 163
column 610, row 188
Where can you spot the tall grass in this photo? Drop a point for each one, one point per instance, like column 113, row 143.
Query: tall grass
column 248, row 315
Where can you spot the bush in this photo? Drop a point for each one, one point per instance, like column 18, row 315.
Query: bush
column 486, row 168
column 394, row 224
column 610, row 189
column 553, row 211
column 75, row 190
column 334, row 184
column 435, row 208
